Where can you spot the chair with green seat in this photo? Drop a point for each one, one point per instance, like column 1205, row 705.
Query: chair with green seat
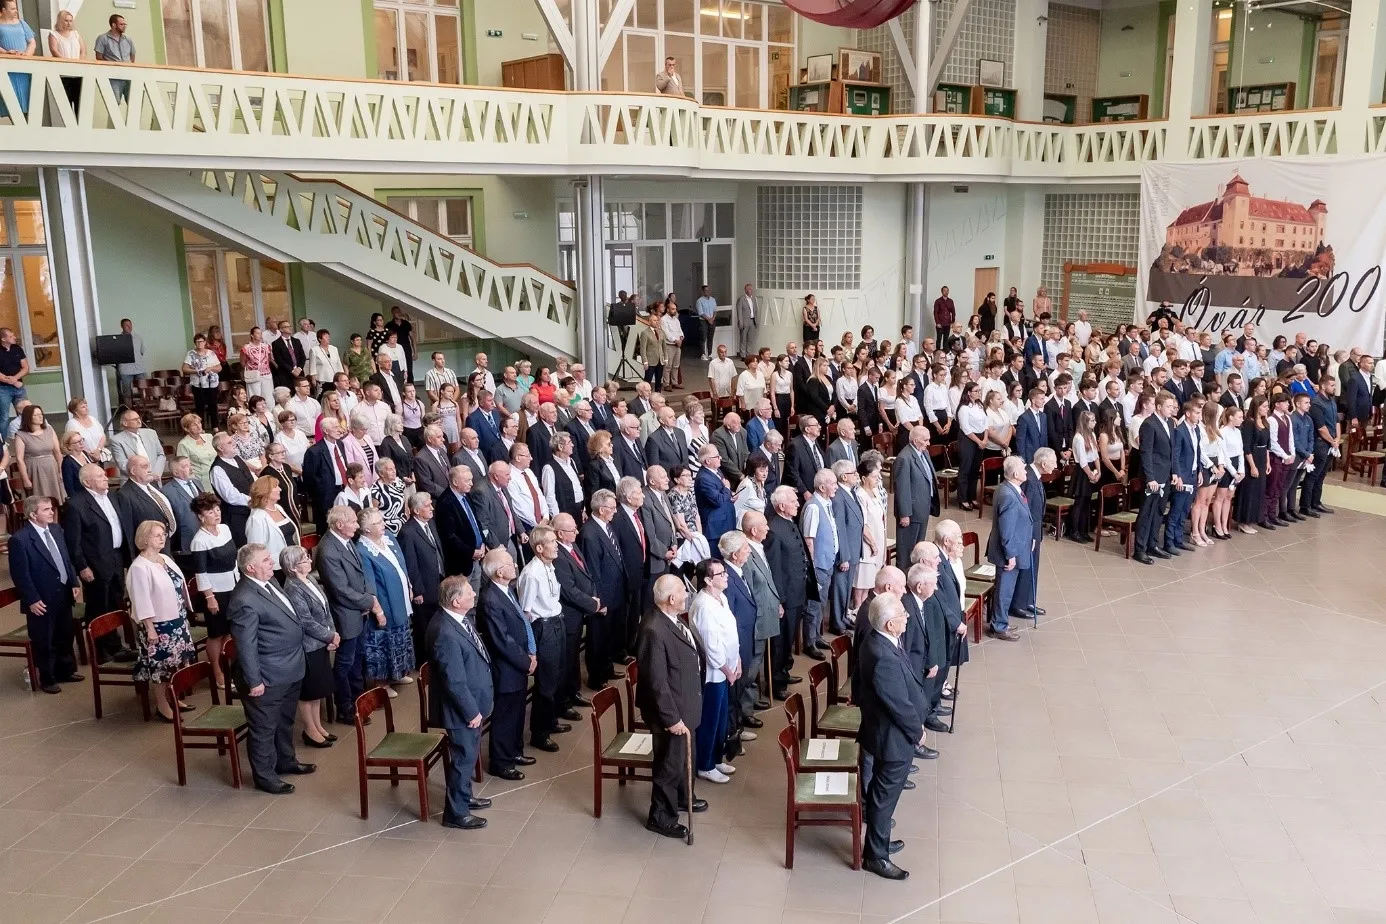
column 1122, row 519
column 840, row 658
column 848, row 754
column 225, row 725
column 608, row 763
column 837, row 720
column 425, row 671
column 402, row 755
column 16, row 643
column 805, row 808
column 945, row 472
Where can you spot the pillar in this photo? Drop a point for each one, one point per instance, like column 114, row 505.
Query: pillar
column 592, row 331
column 1363, row 74
column 1188, row 86
column 917, row 224
column 74, row 283
column 1027, row 67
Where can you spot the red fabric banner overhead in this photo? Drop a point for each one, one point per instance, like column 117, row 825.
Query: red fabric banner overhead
column 851, row 14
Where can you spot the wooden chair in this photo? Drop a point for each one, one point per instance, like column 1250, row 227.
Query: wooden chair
column 979, row 592
column 478, row 775
column 1122, row 519
column 976, row 616
column 989, row 465
column 608, row 763
column 1359, row 458
column 16, row 643
column 804, row 808
column 407, row 755
column 112, row 674
column 1058, row 508
column 842, row 663
column 836, row 720
column 945, row 472
column 975, row 542
column 632, row 680
column 848, row 753
column 225, row 725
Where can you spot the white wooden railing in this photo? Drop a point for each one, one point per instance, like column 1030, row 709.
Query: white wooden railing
column 161, row 116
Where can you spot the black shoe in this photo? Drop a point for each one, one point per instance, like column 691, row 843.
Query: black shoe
column 1172, row 552
column 74, row 678
column 571, row 714
column 1297, row 517
column 561, row 728
column 465, row 823
column 794, row 681
column 752, row 722
column 51, row 688
column 348, row 720
column 815, row 654
column 316, row 744
column 822, row 645
column 933, row 724
column 780, row 696
column 300, row 769
column 1143, row 558
column 913, row 770
column 1039, row 610
column 1309, row 513
column 1322, row 509
column 279, row 789
column 926, row 752
column 1186, row 547
column 1159, row 553
column 943, row 710
column 1022, row 614
column 763, row 704
column 524, row 760
column 509, row 773
column 886, row 870
column 478, row 803
column 544, row 744
column 895, row 847
column 948, row 694
column 580, row 700
column 1266, row 525
column 1076, row 537
column 674, row 830
column 909, row 784
column 699, row 805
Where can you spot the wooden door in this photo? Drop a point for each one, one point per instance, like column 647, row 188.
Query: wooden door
column 984, row 279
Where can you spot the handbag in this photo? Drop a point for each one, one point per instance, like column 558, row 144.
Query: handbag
column 251, row 376
column 167, row 403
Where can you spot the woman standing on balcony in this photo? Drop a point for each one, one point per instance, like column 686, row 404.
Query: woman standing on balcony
column 66, row 43
column 217, row 343
column 360, row 364
column 16, row 40
column 813, row 322
column 376, row 336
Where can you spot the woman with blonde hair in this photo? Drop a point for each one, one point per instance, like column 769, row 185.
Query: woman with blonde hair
column 1233, row 473
column 196, row 444
column 601, row 470
column 250, row 448
column 1086, row 475
column 268, row 524
column 79, row 420
column 75, row 456
column 1210, row 464
column 331, row 409
column 159, row 607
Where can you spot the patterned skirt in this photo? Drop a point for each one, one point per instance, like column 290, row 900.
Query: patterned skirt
column 157, row 661
column 389, row 653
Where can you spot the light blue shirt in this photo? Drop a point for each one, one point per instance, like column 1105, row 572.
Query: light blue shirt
column 1223, row 361
column 707, row 307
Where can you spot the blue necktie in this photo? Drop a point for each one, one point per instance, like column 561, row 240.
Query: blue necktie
column 529, row 630
column 467, row 509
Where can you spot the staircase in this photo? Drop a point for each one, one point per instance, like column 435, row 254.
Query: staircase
column 279, row 216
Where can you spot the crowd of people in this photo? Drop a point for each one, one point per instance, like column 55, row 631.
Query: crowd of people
column 533, row 535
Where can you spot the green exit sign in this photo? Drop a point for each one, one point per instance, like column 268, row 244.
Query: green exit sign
column 493, row 33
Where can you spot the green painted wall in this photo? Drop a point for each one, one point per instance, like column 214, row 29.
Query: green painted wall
column 514, row 20
column 322, row 39
column 1267, row 47
column 1132, row 51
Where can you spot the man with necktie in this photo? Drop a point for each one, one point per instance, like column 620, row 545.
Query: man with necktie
column 844, row 448
column 510, row 643
column 500, row 527
column 1157, row 467
column 1024, row 604
column 431, row 464
column 96, row 542
column 47, row 583
column 423, row 561
column 344, row 584
column 1009, row 546
column 138, row 500
column 485, row 420
column 803, row 459
column 457, row 526
column 848, row 516
column 460, row 697
column 179, row 491
column 1032, row 428
column 581, row 605
column 1186, row 441
column 916, row 495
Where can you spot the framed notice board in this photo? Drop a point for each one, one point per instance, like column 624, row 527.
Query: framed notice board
column 1266, row 97
column 1060, row 108
column 1120, row 108
column 1106, row 291
column 955, row 98
column 997, row 102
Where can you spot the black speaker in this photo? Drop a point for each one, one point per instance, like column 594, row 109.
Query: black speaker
column 111, row 349
column 621, row 315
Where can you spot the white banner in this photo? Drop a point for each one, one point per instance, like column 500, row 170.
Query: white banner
column 1288, row 245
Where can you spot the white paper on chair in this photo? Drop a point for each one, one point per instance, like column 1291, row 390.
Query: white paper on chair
column 638, row 744
column 985, row 572
column 830, row 784
column 823, row 749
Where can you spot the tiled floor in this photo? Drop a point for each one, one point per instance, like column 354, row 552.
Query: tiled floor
column 1199, row 741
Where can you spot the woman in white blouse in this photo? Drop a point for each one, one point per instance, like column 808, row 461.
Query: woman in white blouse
column 1234, row 470
column 1014, row 405
column 937, row 408
column 66, row 42
column 268, row 524
column 1086, row 474
column 845, row 391
column 80, row 420
column 781, row 385
column 715, row 624
column 1210, row 466
column 750, row 491
column 294, row 441
column 908, row 414
column 972, row 429
column 694, row 426
column 1000, row 427
column 750, row 388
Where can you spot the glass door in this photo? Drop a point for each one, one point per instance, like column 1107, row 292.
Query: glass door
column 1328, row 69
column 715, row 74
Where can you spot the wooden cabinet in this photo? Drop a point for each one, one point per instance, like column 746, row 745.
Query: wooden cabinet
column 962, row 99
column 541, row 72
column 840, row 96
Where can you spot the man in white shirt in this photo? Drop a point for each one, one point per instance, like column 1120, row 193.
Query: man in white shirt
column 488, row 381
column 438, row 376
column 305, row 407
column 721, row 373
column 706, row 306
column 820, row 537
column 306, row 335
column 1082, row 329
column 526, row 496
column 582, row 386
column 374, row 411
column 538, row 594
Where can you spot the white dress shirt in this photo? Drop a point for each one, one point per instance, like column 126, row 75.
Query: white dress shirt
column 307, row 411
column 103, row 500
column 537, row 590
column 716, row 626
column 547, row 479
column 522, row 501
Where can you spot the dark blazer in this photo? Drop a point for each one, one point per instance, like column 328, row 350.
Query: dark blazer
column 430, row 474
column 603, row 419
column 1357, row 399
column 815, row 399
column 503, row 629
column 1060, row 421
column 1157, row 450
column 799, row 466
column 344, row 583
column 756, row 431
column 734, row 451
column 1034, row 499
column 459, row 680
column 72, row 479
column 539, row 439
column 386, row 395
column 487, row 427
column 628, row 540
column 891, row 725
column 868, row 411
column 776, row 462
column 286, row 353
column 915, row 640
column 398, row 451
column 671, row 673
column 1117, row 408
column 788, row 558
column 666, row 449
column 576, row 590
column 34, row 574
column 630, row 462
column 916, row 493
column 498, row 452
column 947, row 594
column 423, row 558
column 493, row 514
column 1031, row 433
column 89, row 539
column 477, row 463
column 571, row 500
column 290, row 498
column 598, row 477
column 460, row 540
column 1011, row 529
column 715, row 506
column 602, row 554
column 1185, row 458
column 580, row 436
column 320, row 478
column 135, row 506
column 743, row 606
column 268, row 634
column 1182, row 391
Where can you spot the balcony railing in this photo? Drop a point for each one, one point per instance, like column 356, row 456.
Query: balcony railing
column 162, row 116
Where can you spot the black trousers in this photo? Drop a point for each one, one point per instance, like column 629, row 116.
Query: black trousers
column 572, row 665
column 348, row 676
column 599, row 647
column 104, row 595
column 52, row 636
column 548, row 675
column 507, row 730
column 782, row 648
column 1311, row 494
column 882, row 794
column 1149, row 519
column 464, row 744
column 418, row 625
column 205, row 405
column 271, row 719
column 670, row 791
column 969, row 464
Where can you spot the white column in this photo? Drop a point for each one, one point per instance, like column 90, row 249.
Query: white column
column 74, row 283
column 1027, row 71
column 917, row 228
column 1188, row 86
column 1362, row 75
column 1024, row 241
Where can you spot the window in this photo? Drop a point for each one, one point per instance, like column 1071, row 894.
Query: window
column 427, row 32
column 1222, row 39
column 450, row 216
column 26, row 290
column 1329, row 61
column 232, row 290
column 228, row 35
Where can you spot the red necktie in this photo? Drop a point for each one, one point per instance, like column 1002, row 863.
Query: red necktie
column 534, row 495
column 577, row 558
column 341, row 463
column 640, row 530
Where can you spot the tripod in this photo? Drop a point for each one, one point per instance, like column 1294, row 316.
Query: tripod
column 625, row 369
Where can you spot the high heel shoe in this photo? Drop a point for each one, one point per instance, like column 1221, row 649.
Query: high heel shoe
column 315, row 744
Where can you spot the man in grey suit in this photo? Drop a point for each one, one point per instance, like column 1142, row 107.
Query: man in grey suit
column 344, row 583
column 269, row 669
column 730, row 440
column 431, row 464
column 135, row 439
column 915, row 496
column 180, row 491
column 661, row 542
column 666, row 445
column 847, row 513
column 460, row 696
column 761, row 583
column 470, row 455
column 844, row 448
column 747, row 320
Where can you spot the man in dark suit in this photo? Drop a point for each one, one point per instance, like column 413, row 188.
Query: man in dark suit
column 460, row 696
column 46, row 579
column 848, row 516
column 926, row 638
column 602, row 416
column 324, row 471
column 539, row 438
column 431, row 464
column 423, row 562
column 730, row 440
column 1113, row 403
column 510, row 644
column 670, row 699
column 803, row 458
column 667, row 445
column 868, row 405
column 138, row 501
column 629, row 454
column 1232, row 395
column 581, row 428
column 1032, row 427
column 1024, row 603
column 389, row 380
column 892, row 728
column 268, row 670
column 95, row 542
column 1157, row 468
column 771, row 452
column 287, row 357
column 1009, row 546
column 916, row 496
column 344, row 585
column 485, row 421
column 1187, row 435
column 734, row 551
column 629, row 531
column 787, row 556
column 470, row 454
column 578, row 595
column 602, row 554
column 1059, row 416
column 1359, row 393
